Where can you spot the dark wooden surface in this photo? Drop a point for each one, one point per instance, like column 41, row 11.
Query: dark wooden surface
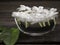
column 6, row 9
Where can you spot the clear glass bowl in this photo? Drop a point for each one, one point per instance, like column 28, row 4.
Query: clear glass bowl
column 35, row 29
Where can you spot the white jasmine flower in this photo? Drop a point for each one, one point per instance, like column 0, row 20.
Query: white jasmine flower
column 40, row 7
column 15, row 14
column 22, row 7
column 53, row 9
column 34, row 14
column 35, row 9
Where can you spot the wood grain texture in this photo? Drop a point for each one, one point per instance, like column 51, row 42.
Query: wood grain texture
column 6, row 9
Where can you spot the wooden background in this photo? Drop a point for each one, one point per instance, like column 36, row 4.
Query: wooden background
column 6, row 9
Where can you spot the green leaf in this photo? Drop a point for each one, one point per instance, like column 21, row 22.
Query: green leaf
column 2, row 30
column 10, row 36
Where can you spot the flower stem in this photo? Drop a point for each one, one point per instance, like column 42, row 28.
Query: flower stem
column 40, row 24
column 48, row 23
column 26, row 24
column 54, row 21
column 44, row 24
